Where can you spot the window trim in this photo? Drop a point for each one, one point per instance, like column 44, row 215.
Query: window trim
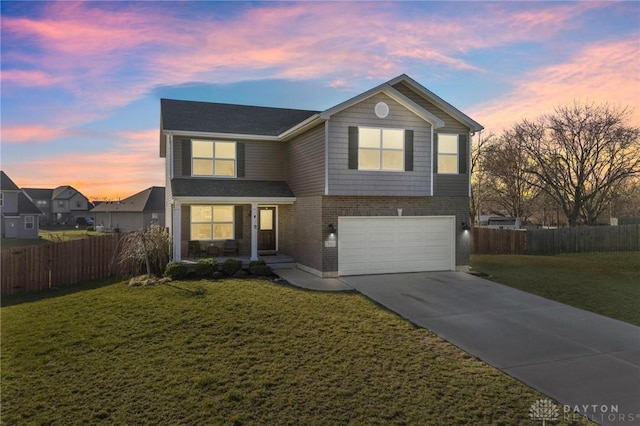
column 214, row 158
column 32, row 222
column 1, row 199
column 449, row 154
column 212, row 222
column 381, row 149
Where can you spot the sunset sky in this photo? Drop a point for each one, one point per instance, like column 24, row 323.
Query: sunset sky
column 81, row 81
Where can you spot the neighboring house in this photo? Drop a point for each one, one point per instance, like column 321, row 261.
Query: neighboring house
column 20, row 217
column 133, row 213
column 497, row 222
column 377, row 184
column 68, row 204
column 42, row 199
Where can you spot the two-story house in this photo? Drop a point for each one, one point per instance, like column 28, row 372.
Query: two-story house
column 41, row 197
column 377, row 184
column 62, row 205
column 68, row 204
column 18, row 215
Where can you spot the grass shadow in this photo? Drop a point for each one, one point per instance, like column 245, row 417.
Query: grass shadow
column 55, row 292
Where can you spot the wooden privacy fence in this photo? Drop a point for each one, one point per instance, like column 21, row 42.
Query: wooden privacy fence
column 583, row 239
column 498, row 241
column 35, row 268
column 554, row 241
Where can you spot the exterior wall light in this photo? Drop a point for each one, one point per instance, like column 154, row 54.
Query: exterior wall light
column 332, row 229
column 465, row 226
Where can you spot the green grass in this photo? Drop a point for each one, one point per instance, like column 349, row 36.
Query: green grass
column 605, row 283
column 239, row 352
column 51, row 235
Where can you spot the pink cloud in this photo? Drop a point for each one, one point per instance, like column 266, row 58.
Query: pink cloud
column 602, row 73
column 118, row 171
column 29, row 78
column 30, row 134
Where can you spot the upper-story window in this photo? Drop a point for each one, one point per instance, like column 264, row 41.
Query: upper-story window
column 448, row 153
column 41, row 203
column 381, row 149
column 213, row 158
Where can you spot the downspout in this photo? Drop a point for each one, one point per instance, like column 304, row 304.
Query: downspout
column 326, row 157
column 471, row 135
column 432, row 175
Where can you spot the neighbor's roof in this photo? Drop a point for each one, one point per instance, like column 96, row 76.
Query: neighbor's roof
column 25, row 206
column 230, row 188
column 149, row 200
column 6, row 184
column 39, row 193
column 228, row 118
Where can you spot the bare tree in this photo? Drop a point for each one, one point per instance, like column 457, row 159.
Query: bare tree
column 506, row 167
column 147, row 250
column 581, row 154
column 478, row 176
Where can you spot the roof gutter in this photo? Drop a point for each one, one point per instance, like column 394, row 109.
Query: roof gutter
column 232, row 136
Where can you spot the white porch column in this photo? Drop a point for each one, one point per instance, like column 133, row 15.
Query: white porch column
column 254, row 231
column 176, row 230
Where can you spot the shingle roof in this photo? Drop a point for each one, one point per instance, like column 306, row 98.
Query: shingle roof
column 25, row 206
column 6, row 184
column 227, row 118
column 149, row 200
column 39, row 193
column 230, row 188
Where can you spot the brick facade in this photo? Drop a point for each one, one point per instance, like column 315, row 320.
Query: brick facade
column 314, row 214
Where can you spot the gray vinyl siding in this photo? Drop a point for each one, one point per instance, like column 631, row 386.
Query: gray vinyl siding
column 263, row 160
column 443, row 185
column 305, row 163
column 345, row 181
column 10, row 201
column 451, row 125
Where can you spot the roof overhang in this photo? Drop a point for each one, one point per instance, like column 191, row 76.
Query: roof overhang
column 438, row 101
column 393, row 94
column 235, row 200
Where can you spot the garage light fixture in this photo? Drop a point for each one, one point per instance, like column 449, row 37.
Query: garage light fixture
column 465, row 226
column 332, row 229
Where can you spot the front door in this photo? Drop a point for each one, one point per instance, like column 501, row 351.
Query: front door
column 267, row 229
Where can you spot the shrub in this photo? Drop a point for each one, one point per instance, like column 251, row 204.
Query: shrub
column 176, row 271
column 147, row 250
column 206, row 268
column 259, row 268
column 230, row 266
column 91, row 229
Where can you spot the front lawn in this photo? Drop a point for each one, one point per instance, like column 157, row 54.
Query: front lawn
column 239, row 352
column 605, row 283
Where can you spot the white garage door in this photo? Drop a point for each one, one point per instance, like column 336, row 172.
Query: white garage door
column 382, row 245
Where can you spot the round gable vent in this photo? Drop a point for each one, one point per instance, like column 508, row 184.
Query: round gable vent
column 381, row 109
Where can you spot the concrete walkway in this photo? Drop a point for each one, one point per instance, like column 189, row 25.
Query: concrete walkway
column 302, row 279
column 587, row 362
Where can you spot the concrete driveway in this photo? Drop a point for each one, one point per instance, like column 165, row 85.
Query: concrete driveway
column 583, row 360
